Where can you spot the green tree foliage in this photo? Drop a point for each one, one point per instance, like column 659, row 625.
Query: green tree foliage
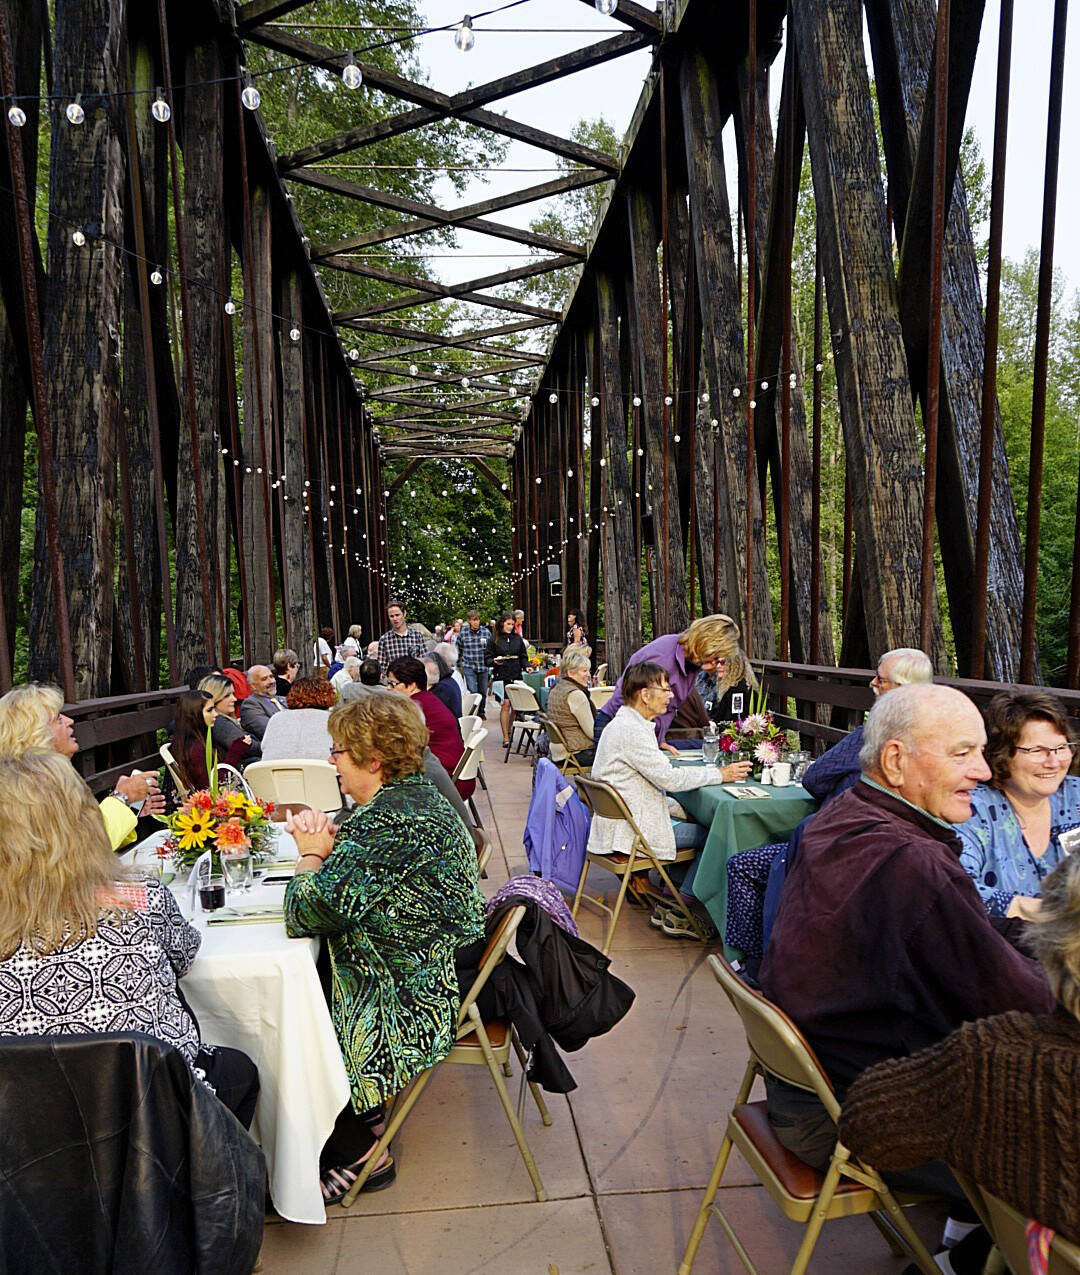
column 449, row 543
column 1016, row 351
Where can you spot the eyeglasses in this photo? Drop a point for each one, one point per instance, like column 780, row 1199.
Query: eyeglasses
column 878, row 680
column 338, row 752
column 393, row 683
column 1042, row 753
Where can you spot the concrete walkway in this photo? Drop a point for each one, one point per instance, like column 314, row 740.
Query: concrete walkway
column 625, row 1160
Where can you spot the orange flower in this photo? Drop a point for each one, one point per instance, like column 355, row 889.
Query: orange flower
column 200, row 801
column 231, row 835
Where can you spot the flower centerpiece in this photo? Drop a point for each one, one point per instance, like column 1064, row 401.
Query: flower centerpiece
column 756, row 737
column 217, row 819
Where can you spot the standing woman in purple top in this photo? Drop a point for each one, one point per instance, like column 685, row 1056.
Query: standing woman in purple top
column 707, row 644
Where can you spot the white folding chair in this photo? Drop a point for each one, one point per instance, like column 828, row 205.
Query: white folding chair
column 300, row 779
column 470, row 702
column 526, row 707
column 600, row 695
column 467, row 723
column 468, row 766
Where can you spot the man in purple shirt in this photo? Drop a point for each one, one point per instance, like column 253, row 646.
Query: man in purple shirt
column 706, row 644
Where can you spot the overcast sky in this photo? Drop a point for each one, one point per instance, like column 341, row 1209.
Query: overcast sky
column 613, row 90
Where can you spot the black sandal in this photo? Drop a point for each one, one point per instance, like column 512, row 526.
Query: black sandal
column 335, row 1183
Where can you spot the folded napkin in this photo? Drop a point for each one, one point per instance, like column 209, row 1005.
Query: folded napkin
column 246, row 914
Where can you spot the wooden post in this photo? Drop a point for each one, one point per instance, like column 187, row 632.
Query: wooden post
column 872, row 377
column 718, row 294
column 81, row 329
column 300, row 614
column 648, row 322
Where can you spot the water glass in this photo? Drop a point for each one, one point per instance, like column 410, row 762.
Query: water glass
column 236, row 868
column 710, row 750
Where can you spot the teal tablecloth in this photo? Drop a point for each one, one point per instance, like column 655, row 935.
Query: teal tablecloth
column 738, row 824
column 535, row 680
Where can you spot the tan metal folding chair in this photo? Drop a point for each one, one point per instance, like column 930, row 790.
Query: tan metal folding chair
column 1007, row 1229
column 569, row 764
column 467, row 723
column 802, row 1194
column 301, row 779
column 606, row 803
column 487, row 1044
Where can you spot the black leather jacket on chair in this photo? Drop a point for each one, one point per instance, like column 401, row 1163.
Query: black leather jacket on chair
column 115, row 1160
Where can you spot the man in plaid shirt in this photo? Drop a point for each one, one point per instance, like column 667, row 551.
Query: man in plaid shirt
column 472, row 643
column 399, row 639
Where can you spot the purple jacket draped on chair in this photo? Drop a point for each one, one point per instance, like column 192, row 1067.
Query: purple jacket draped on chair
column 556, row 828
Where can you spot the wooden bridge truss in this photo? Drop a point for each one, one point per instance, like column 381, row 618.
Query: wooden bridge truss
column 181, row 496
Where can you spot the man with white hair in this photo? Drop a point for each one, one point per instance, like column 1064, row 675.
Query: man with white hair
column 881, row 945
column 347, row 674
column 838, row 769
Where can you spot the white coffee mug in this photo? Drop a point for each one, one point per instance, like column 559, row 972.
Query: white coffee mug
column 781, row 774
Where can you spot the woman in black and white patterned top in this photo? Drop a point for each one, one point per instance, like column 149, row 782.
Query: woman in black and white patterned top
column 86, row 946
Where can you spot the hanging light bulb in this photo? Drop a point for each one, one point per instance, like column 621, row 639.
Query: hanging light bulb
column 465, row 382
column 594, row 401
column 704, row 396
column 570, row 474
column 463, row 36
column 819, row 367
column 413, row 369
column 736, row 392
column 156, row 276
column 350, row 74
column 677, row 438
column 294, row 334
column 764, row 385
column 606, row 7
column 553, row 397
column 160, row 109
column 251, row 97
column 354, row 355
column 78, row 239
column 16, row 116
column 753, row 404
column 230, row 306
column 637, row 400
column 668, row 400
column 74, row 111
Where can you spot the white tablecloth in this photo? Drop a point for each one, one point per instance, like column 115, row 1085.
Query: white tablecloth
column 255, row 989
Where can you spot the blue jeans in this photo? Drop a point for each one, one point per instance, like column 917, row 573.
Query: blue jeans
column 476, row 679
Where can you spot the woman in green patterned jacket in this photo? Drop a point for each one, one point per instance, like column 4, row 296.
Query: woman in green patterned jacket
column 394, row 890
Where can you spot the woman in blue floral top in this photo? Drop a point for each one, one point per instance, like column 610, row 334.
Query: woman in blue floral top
column 395, row 891
column 1014, row 837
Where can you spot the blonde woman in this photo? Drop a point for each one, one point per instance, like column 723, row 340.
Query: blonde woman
column 707, row 645
column 726, row 693
column 86, row 946
column 30, row 718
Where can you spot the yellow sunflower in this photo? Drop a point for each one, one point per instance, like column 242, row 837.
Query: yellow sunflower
column 194, row 829
column 236, row 799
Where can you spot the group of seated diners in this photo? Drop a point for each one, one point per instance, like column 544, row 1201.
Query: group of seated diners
column 73, row 916
column 927, row 944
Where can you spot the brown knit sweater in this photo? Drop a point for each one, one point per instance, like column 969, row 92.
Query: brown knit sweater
column 999, row 1100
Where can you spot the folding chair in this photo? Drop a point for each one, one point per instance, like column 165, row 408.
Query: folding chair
column 300, row 779
column 467, row 723
column 483, row 850
column 468, row 765
column 477, row 1043
column 526, row 707
column 606, row 803
column 470, row 702
column 601, row 673
column 1007, row 1229
column 850, row 1187
column 600, row 695
column 569, row 764
column 166, row 754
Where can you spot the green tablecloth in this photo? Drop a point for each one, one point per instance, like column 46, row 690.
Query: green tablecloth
column 535, row 680
column 738, row 824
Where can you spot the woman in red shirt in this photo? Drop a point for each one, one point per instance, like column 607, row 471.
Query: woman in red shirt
column 409, row 676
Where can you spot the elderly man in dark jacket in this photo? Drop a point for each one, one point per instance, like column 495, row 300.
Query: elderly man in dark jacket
column 881, row 945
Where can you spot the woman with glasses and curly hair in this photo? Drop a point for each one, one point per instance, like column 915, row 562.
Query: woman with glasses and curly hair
column 394, row 889
column 1014, row 836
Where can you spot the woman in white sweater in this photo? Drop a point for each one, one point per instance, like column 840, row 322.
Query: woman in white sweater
column 628, row 757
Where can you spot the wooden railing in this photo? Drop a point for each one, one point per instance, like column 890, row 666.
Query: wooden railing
column 831, row 701
column 119, row 733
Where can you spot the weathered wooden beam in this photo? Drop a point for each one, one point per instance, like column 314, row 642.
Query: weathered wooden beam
column 439, row 338
column 872, row 376
column 483, row 225
column 721, row 307
column 379, row 362
column 622, row 587
column 80, row 326
column 299, row 615
column 485, row 471
column 637, row 16
column 902, row 41
column 470, row 217
column 424, row 380
column 786, row 171
column 438, row 289
column 425, row 297
column 256, row 12
column 403, row 478
column 648, row 322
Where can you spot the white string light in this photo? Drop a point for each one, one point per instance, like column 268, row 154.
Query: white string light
column 74, row 111
column 351, row 75
column 464, row 37
column 160, row 109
